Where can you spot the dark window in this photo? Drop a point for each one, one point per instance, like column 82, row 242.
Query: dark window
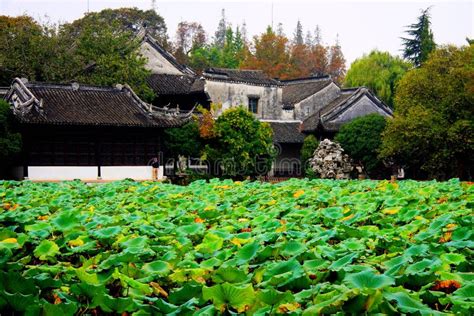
column 253, row 105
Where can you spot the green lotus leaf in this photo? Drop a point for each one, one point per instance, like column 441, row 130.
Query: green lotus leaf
column 13, row 282
column 185, row 293
column 368, row 279
column 107, row 232
column 343, row 262
column 422, row 266
column 211, row 263
column 156, row 267
column 329, row 303
column 230, row 275
column 28, row 303
column 66, row 221
column 293, row 248
column 408, row 304
column 110, row 304
column 191, row 229
column 92, row 278
column 210, row 244
column 40, row 230
column 282, row 273
column 464, row 297
column 417, row 250
column 453, row 258
column 209, row 310
column 227, row 295
column 65, row 308
column 247, row 253
column 335, row 212
column 273, row 297
column 46, row 250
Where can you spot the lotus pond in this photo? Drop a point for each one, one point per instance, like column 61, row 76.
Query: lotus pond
column 297, row 247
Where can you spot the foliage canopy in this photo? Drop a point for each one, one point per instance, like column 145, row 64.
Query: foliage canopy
column 242, row 145
column 378, row 71
column 434, row 117
column 421, row 43
column 361, row 139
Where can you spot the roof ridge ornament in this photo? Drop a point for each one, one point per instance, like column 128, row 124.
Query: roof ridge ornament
column 22, row 98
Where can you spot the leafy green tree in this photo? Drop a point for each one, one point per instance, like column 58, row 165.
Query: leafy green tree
column 421, row 44
column 184, row 140
column 10, row 141
column 31, row 50
column 378, row 71
column 105, row 55
column 432, row 130
column 361, row 139
column 127, row 19
column 231, row 55
column 310, row 144
column 242, row 145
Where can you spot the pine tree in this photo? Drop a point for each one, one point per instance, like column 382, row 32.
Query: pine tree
column 298, row 36
column 308, row 41
column 219, row 36
column 337, row 62
column 244, row 33
column 279, row 30
column 421, row 44
column 317, row 36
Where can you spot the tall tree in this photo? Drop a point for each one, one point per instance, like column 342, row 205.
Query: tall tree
column 219, row 36
column 103, row 54
column 432, row 131
column 421, row 43
column 128, row 19
column 318, row 38
column 189, row 36
column 378, row 71
column 337, row 63
column 298, row 35
column 31, row 50
column 280, row 31
column 271, row 55
column 319, row 55
column 308, row 40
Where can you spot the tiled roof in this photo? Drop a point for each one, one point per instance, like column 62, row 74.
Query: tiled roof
column 286, row 132
column 256, row 77
column 325, row 118
column 40, row 103
column 165, row 84
column 295, row 91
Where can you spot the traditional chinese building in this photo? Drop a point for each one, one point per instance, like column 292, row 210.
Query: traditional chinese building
column 294, row 108
column 87, row 132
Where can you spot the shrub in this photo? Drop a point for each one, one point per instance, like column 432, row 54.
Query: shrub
column 361, row 139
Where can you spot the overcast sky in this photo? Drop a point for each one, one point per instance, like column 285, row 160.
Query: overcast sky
column 361, row 25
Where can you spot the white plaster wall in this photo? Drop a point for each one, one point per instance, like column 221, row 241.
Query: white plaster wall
column 317, row 101
column 133, row 172
column 230, row 94
column 61, row 173
column 156, row 63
